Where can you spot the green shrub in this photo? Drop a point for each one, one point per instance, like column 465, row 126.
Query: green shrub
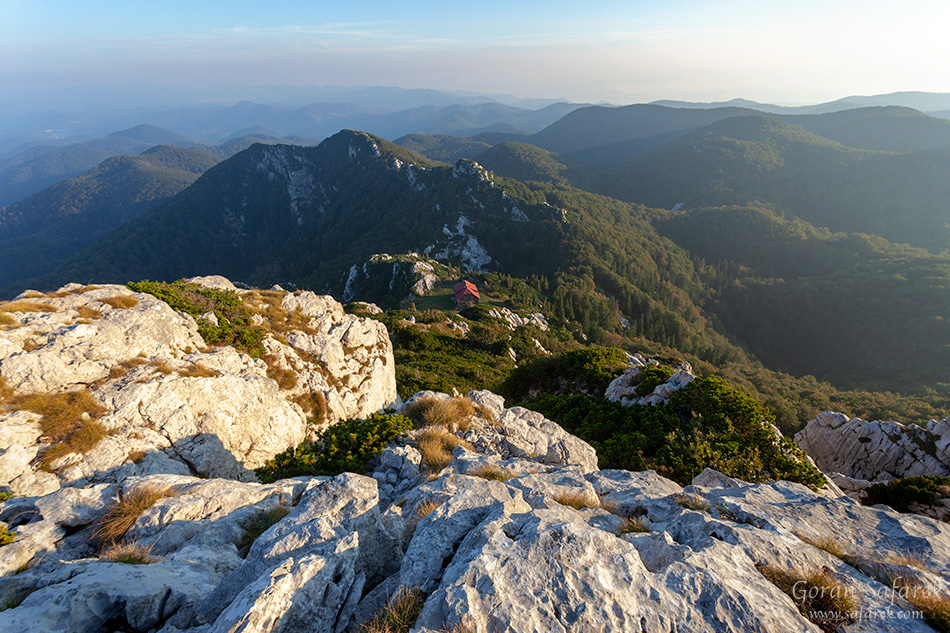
column 234, row 319
column 7, row 535
column 344, row 447
column 705, row 424
column 900, row 493
column 586, row 371
column 651, row 377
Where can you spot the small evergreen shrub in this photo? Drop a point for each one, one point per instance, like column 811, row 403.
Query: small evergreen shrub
column 234, row 325
column 900, row 493
column 344, row 447
column 587, row 371
column 652, row 376
column 707, row 423
column 7, row 535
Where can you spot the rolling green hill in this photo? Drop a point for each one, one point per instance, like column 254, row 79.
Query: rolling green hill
column 49, row 227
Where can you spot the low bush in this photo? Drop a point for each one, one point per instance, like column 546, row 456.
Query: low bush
column 586, row 371
column 344, row 447
column 706, row 424
column 7, row 535
column 900, row 493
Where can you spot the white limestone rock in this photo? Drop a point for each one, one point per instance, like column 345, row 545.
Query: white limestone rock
column 876, row 451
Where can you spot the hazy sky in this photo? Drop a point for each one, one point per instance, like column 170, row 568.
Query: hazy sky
column 790, row 52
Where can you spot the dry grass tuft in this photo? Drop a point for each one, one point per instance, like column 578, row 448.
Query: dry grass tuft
column 826, row 544
column 161, row 366
column 6, row 319
column 936, row 608
column 692, row 502
column 261, row 523
column 129, row 553
column 286, row 378
column 910, row 559
column 399, row 614
column 577, row 500
column 27, row 306
column 492, row 472
column 819, row 596
column 197, row 370
column 81, row 440
column 85, row 312
column 314, row 405
column 116, row 521
column 120, row 302
column 427, row 507
column 31, row 346
column 61, row 412
column 455, row 414
column 436, row 444
column 634, row 525
column 136, row 457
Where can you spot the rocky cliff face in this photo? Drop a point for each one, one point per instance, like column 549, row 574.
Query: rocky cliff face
column 876, row 451
column 156, row 399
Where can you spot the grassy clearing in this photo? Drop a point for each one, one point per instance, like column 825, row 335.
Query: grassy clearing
column 120, row 302
column 491, row 472
column 436, row 444
column 129, row 553
column 116, row 521
column 399, row 614
column 455, row 414
column 813, row 594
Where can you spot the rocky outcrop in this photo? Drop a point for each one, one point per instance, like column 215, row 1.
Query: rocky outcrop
column 544, row 548
column 876, row 451
column 513, row 320
column 168, row 403
column 625, row 387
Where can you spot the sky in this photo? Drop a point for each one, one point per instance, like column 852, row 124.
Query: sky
column 788, row 52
